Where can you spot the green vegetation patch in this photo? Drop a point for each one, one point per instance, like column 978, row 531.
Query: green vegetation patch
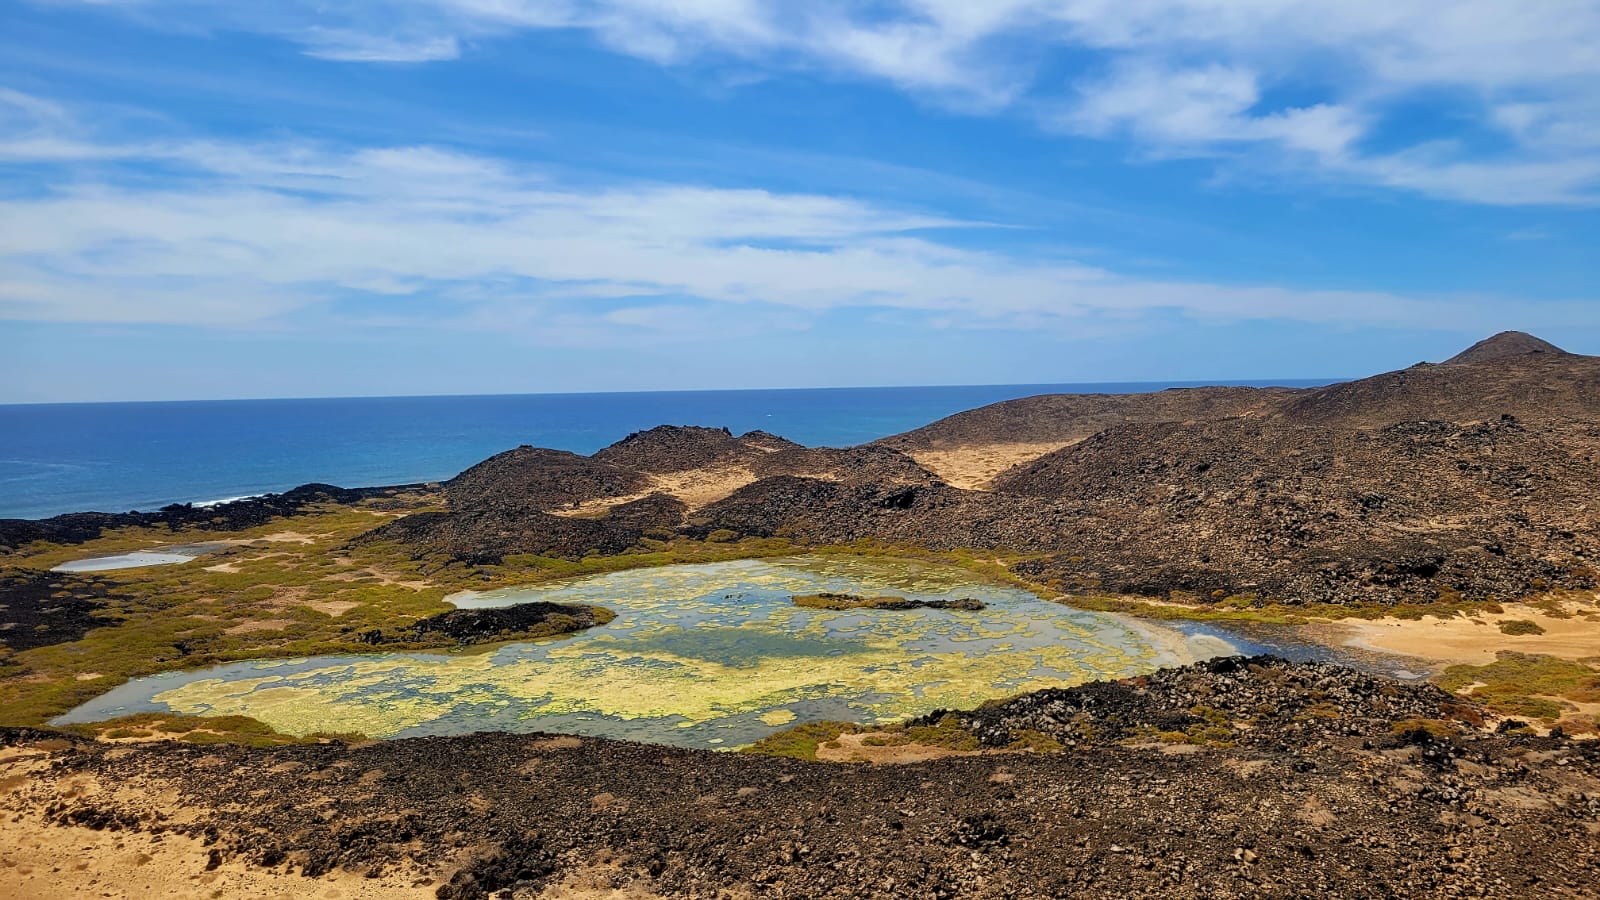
column 1520, row 626
column 293, row 587
column 1248, row 608
column 802, row 741
column 198, row 730
column 1527, row 685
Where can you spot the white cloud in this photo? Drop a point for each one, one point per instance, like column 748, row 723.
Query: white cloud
column 262, row 235
column 354, row 46
column 1196, row 71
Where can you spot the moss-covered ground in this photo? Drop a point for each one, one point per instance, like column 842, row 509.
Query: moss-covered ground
column 1533, row 686
column 294, row 587
column 299, row 587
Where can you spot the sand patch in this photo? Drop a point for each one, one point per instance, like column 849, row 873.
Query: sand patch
column 851, row 748
column 973, row 468
column 599, row 882
column 334, row 608
column 259, row 625
column 40, row 860
column 1476, row 639
column 695, row 487
column 47, row 862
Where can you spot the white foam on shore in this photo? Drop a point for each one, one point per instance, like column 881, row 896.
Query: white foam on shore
column 206, row 504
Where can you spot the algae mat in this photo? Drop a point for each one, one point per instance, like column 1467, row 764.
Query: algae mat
column 699, row 655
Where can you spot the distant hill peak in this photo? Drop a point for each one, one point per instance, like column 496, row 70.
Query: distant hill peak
column 1504, row 345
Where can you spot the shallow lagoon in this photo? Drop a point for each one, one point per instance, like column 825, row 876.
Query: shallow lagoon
column 165, row 556
column 708, row 655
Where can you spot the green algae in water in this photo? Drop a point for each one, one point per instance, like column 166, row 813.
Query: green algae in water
column 699, row 655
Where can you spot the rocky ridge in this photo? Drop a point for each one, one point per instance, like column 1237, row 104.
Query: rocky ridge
column 1340, row 494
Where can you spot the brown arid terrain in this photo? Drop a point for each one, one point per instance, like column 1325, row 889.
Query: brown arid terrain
column 1447, row 513
column 1235, row 778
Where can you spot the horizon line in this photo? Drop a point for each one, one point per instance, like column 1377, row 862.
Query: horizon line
column 1168, row 385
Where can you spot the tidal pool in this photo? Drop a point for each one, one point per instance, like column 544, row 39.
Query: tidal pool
column 165, row 556
column 699, row 655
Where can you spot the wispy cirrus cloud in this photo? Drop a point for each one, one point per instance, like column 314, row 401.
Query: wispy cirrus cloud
column 1317, row 85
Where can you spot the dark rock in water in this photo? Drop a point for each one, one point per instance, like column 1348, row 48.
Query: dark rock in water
column 852, row 601
column 482, row 626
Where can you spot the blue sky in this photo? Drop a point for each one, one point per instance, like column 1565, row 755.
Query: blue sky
column 349, row 197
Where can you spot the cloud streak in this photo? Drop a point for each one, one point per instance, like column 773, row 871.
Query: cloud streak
column 256, row 235
column 1312, row 83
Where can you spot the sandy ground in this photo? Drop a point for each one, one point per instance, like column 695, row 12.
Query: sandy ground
column 850, row 748
column 972, row 468
column 1476, row 640
column 696, row 487
column 41, row 861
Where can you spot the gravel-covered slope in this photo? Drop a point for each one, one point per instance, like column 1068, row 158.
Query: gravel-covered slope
column 1354, row 805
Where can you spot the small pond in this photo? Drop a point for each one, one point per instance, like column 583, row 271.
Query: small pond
column 162, row 556
column 710, row 655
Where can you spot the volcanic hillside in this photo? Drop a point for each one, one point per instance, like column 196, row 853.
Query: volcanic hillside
column 1470, row 479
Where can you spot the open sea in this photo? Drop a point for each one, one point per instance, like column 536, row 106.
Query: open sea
column 114, row 457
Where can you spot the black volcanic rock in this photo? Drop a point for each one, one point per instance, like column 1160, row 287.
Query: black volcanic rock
column 1315, row 513
column 1262, row 701
column 869, row 462
column 540, row 479
column 1533, row 387
column 483, row 626
column 236, row 515
column 1504, row 345
column 1064, row 418
column 39, row 609
column 678, row 448
column 489, row 535
column 1303, row 781
column 655, row 513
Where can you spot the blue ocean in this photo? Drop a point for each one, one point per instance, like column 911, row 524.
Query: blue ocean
column 114, row 457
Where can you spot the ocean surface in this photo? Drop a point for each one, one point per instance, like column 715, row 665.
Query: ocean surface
column 113, row 457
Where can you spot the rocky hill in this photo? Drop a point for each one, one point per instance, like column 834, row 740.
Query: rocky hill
column 1411, row 486
column 1482, row 383
column 1511, row 373
column 1065, row 418
column 1416, row 509
column 1505, row 345
column 676, row 448
column 535, row 478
